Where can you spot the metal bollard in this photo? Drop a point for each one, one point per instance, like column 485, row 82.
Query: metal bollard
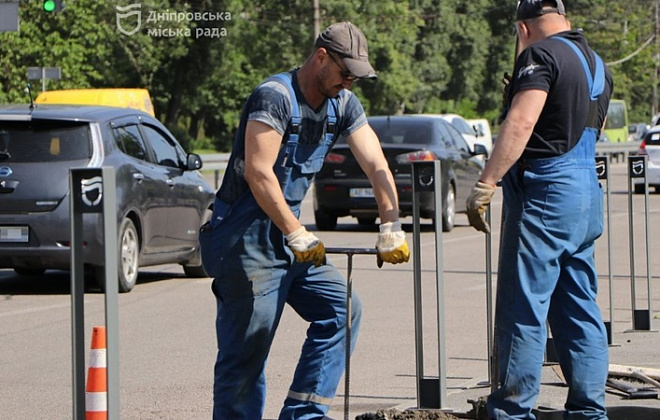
column 642, row 319
column 349, row 300
column 603, row 173
column 431, row 392
column 92, row 190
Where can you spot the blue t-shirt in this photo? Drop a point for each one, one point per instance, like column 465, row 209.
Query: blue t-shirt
column 270, row 103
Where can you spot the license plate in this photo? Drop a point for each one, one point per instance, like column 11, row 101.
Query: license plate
column 14, row 234
column 361, row 193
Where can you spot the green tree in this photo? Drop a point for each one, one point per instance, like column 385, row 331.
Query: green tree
column 430, row 55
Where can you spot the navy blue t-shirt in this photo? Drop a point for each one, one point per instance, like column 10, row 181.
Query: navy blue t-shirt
column 270, row 103
column 552, row 66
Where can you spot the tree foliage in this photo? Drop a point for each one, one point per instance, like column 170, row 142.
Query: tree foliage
column 431, row 55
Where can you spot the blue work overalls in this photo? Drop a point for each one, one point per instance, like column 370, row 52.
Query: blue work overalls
column 553, row 214
column 256, row 274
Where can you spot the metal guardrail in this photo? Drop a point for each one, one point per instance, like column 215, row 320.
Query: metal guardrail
column 605, row 148
column 217, row 162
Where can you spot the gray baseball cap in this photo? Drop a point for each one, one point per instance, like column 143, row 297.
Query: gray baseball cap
column 529, row 9
column 349, row 43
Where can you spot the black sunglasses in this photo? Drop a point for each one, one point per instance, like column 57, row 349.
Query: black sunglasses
column 347, row 75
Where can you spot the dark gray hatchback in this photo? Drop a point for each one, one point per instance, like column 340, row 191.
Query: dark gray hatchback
column 161, row 197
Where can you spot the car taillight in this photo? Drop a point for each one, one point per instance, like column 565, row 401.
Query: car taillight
column 416, row 156
column 334, row 158
column 642, row 149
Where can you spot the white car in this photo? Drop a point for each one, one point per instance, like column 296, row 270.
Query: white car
column 650, row 147
column 484, row 135
column 466, row 129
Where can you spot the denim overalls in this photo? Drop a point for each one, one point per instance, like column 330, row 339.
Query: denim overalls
column 553, row 214
column 256, row 274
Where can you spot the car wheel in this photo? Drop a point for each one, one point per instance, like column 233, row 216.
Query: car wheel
column 449, row 210
column 197, row 271
column 324, row 220
column 26, row 271
column 639, row 188
column 366, row 221
column 194, row 271
column 128, row 263
column 129, row 250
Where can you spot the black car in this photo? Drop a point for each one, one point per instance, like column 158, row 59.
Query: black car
column 342, row 189
column 162, row 199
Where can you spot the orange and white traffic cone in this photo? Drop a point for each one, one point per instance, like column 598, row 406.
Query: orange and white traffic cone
column 96, row 395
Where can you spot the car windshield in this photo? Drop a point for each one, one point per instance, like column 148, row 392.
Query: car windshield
column 403, row 132
column 50, row 141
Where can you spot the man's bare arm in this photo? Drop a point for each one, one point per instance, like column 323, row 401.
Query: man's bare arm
column 514, row 134
column 366, row 149
column 262, row 145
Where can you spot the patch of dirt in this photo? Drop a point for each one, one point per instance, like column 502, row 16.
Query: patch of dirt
column 478, row 412
column 406, row 415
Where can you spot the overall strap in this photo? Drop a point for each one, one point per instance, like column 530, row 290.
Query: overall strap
column 296, row 118
column 596, row 82
column 331, row 124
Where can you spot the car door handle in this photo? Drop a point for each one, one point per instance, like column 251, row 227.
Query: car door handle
column 170, row 182
column 138, row 176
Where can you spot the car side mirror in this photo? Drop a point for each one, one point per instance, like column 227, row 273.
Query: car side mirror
column 194, row 162
column 480, row 149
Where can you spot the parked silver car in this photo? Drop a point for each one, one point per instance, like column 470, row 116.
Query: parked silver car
column 162, row 199
column 650, row 146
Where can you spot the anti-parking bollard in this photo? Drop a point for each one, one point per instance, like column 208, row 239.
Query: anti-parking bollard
column 431, row 392
column 603, row 173
column 642, row 319
column 93, row 190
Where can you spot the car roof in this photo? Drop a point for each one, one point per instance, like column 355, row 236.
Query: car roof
column 87, row 113
column 407, row 117
column 443, row 116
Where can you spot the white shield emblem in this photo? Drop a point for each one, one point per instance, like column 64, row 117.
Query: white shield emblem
column 600, row 168
column 126, row 12
column 638, row 167
column 92, row 190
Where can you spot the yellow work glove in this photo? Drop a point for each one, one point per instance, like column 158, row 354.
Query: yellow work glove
column 477, row 203
column 391, row 245
column 306, row 247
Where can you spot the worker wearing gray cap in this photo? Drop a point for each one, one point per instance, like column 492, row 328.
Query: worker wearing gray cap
column 260, row 254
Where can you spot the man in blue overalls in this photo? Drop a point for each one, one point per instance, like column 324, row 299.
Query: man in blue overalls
column 544, row 155
column 263, row 258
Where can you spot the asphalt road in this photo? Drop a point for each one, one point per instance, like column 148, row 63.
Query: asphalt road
column 167, row 335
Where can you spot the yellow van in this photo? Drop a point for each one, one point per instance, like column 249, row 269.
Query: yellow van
column 124, row 98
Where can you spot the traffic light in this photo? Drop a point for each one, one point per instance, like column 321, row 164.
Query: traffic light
column 52, row 6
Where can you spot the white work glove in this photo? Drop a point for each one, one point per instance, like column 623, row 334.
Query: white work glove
column 391, row 245
column 477, row 203
column 306, row 247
